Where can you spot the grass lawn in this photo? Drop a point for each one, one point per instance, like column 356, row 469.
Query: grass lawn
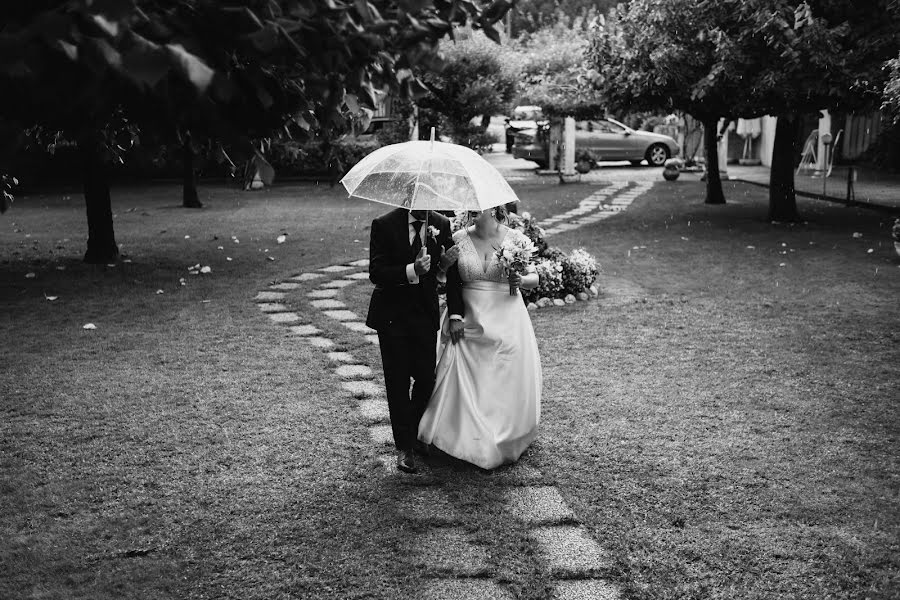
column 726, row 427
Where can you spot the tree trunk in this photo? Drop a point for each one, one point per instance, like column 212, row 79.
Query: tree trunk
column 189, row 197
column 714, row 193
column 485, row 121
column 782, row 199
column 101, row 244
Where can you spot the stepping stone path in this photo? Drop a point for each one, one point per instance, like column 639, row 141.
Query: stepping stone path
column 453, row 566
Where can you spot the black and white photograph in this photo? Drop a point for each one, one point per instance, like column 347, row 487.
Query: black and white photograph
column 450, row 300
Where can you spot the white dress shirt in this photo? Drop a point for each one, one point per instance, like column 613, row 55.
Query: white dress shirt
column 411, row 274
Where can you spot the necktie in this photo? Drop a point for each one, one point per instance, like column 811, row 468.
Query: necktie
column 417, row 239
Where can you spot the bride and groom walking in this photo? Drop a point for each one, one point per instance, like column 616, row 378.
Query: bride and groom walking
column 476, row 391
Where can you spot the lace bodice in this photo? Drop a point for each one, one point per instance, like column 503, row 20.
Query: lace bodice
column 471, row 267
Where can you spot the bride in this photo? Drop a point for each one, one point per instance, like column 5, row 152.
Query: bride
column 486, row 402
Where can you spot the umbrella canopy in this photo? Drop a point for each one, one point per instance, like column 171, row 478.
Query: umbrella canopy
column 428, row 175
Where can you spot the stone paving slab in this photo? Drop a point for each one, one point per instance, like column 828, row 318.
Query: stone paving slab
column 284, row 286
column 570, row 551
column 374, row 410
column 306, row 276
column 318, row 294
column 337, row 283
column 305, row 329
column 431, row 505
column 284, row 317
column 538, row 505
column 363, row 262
column 358, row 326
column 357, row 276
column 344, row 357
column 585, row 589
column 381, row 435
column 449, row 550
column 341, row 315
column 271, row 307
column 362, row 389
column 463, row 589
column 319, row 342
column 336, row 269
column 353, row 371
column 327, row 303
column 269, row 296
column 372, row 339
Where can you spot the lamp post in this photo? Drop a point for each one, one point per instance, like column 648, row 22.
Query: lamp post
column 826, row 140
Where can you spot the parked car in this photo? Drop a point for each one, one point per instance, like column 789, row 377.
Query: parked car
column 599, row 140
column 524, row 118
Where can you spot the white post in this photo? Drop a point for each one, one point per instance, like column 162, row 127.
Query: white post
column 555, row 140
column 414, row 130
column 824, row 127
column 723, row 151
column 568, row 166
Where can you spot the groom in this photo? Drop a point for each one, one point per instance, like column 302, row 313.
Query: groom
column 406, row 259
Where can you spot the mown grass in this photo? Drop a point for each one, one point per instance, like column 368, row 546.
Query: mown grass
column 724, row 426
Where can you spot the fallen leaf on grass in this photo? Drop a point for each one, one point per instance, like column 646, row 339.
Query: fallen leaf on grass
column 160, row 292
column 221, row 248
column 270, row 257
column 206, row 270
column 30, row 275
column 50, row 298
column 187, row 237
column 782, row 264
column 89, row 326
column 751, row 247
column 281, row 238
column 60, row 268
column 870, row 251
column 857, row 234
column 684, row 238
column 182, row 281
column 228, row 258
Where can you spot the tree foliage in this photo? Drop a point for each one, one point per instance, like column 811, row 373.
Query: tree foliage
column 743, row 58
column 230, row 69
column 554, row 72
column 531, row 16
column 472, row 81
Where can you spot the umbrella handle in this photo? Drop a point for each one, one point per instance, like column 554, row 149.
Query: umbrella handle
column 432, row 139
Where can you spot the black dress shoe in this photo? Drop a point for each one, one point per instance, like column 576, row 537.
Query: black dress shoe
column 405, row 462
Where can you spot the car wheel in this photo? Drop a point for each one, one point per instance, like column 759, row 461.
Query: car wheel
column 541, row 164
column 657, row 155
column 583, row 165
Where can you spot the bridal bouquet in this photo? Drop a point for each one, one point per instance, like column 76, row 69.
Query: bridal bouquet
column 514, row 255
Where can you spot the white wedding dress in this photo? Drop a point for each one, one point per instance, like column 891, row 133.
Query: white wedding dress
column 486, row 402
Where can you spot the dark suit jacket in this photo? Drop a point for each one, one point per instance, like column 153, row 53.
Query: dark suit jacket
column 396, row 306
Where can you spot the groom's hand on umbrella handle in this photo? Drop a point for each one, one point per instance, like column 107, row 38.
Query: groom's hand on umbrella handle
column 423, row 262
column 449, row 257
column 457, row 331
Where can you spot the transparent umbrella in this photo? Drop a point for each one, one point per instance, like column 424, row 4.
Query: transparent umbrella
column 428, row 175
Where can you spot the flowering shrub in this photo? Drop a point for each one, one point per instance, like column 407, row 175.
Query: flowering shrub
column 550, row 277
column 553, row 253
column 895, row 230
column 579, row 270
column 528, row 225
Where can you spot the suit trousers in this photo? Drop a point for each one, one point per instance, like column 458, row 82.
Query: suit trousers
column 405, row 356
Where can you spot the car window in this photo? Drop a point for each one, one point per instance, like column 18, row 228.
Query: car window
column 610, row 127
column 526, row 114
